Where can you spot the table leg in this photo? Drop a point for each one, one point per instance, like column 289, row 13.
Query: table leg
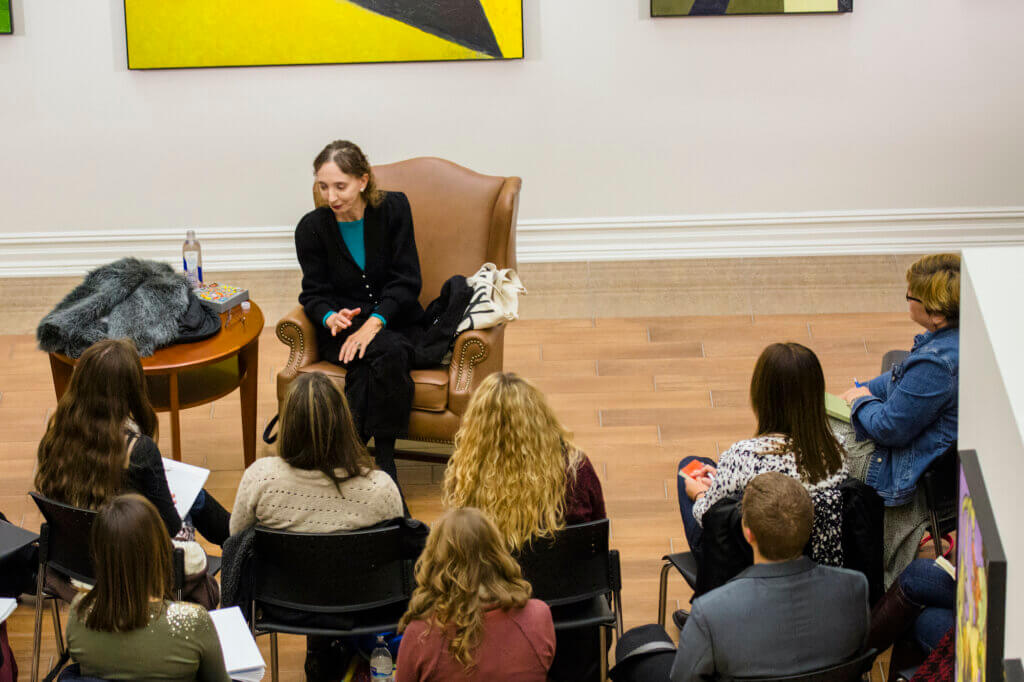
column 61, row 375
column 175, row 406
column 248, row 370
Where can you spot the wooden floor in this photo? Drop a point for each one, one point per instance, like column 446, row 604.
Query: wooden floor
column 638, row 394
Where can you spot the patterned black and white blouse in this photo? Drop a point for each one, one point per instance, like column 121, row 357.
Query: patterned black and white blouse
column 748, row 458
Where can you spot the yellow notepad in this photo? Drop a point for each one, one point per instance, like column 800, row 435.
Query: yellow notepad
column 837, row 408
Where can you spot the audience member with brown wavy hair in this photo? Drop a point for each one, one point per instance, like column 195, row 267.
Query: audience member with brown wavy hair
column 128, row 627
column 100, row 442
column 471, row 616
column 515, row 461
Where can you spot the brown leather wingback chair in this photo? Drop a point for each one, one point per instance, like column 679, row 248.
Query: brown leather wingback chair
column 462, row 220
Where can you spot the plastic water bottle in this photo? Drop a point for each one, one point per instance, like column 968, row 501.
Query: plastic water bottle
column 192, row 259
column 381, row 666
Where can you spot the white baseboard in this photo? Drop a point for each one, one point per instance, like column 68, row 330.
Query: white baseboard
column 36, row 254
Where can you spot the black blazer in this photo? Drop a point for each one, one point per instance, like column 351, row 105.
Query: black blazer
column 331, row 280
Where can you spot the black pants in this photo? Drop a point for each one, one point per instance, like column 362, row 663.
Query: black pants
column 378, row 386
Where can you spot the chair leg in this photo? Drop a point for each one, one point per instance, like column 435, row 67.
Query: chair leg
column 933, row 521
column 57, row 633
column 617, row 603
column 603, row 653
column 37, row 630
column 663, row 593
column 273, row 657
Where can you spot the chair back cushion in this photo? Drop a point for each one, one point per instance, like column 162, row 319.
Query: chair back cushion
column 67, row 542
column 453, row 212
column 330, row 572
column 573, row 566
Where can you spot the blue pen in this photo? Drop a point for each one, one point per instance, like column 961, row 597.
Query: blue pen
column 857, row 383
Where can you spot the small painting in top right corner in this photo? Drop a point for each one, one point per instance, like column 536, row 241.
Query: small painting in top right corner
column 690, row 8
column 5, row 16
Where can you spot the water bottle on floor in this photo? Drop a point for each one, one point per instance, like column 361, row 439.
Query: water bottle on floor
column 381, row 666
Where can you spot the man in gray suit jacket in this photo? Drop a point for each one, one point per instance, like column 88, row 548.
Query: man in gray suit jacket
column 783, row 615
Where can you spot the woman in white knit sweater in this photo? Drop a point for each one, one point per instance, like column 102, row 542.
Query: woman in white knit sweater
column 324, row 479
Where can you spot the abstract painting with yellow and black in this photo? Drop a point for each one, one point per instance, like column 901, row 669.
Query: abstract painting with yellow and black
column 678, row 8
column 168, row 34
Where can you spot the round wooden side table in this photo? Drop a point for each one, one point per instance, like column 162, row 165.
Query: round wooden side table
column 189, row 374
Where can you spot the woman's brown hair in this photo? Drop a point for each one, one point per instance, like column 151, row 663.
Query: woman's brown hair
column 936, row 281
column 131, row 553
column 464, row 571
column 317, row 431
column 787, row 392
column 82, row 454
column 350, row 159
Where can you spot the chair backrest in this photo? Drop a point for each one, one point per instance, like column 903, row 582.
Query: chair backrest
column 574, row 565
column 862, row 534
column 724, row 552
column 330, row 572
column 843, row 672
column 462, row 219
column 66, row 538
column 940, row 482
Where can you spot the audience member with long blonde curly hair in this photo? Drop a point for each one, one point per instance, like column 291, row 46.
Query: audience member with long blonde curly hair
column 515, row 461
column 471, row 615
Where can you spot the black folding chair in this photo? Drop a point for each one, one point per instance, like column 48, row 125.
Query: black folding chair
column 849, row 671
column 64, row 549
column 576, row 575
column 334, row 584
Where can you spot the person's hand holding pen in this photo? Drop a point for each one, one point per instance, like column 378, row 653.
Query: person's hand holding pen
column 859, row 390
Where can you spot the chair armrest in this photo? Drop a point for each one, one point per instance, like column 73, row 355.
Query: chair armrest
column 477, row 353
column 296, row 331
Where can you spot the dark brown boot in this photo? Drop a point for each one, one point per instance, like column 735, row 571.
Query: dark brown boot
column 891, row 617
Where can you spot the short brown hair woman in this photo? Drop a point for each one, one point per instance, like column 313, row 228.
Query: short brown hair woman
column 127, row 626
column 787, row 393
column 100, row 442
column 360, row 289
column 471, row 616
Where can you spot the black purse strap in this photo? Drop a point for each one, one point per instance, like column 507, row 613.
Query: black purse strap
column 269, row 436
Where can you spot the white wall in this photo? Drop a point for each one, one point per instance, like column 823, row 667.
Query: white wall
column 992, row 404
column 902, row 105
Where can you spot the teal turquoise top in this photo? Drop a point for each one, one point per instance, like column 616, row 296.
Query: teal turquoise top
column 352, row 235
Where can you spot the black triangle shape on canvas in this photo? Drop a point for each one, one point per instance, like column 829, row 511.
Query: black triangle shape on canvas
column 459, row 21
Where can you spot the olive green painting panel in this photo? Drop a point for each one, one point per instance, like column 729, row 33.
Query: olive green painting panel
column 670, row 8
column 756, row 7
column 5, row 16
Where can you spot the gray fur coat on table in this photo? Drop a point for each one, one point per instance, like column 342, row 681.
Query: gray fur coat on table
column 139, row 299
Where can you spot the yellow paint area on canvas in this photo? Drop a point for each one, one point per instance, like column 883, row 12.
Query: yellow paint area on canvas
column 506, row 20
column 811, row 5
column 185, row 33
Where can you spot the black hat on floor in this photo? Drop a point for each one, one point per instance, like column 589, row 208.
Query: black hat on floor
column 643, row 653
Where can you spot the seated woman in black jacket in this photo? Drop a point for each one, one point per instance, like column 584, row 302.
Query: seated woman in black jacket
column 100, row 442
column 360, row 289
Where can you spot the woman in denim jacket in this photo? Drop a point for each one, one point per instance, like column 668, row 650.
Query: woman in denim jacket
column 910, row 412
